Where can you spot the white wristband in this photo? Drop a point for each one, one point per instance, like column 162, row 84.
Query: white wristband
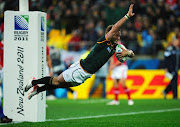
column 127, row 16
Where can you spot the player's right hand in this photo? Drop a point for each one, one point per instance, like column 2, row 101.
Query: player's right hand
column 131, row 53
column 122, row 54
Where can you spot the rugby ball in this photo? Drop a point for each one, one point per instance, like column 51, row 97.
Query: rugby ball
column 119, row 48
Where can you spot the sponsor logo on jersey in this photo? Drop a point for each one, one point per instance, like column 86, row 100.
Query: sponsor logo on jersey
column 109, row 50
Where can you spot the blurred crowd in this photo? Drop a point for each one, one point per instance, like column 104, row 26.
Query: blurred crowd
column 77, row 24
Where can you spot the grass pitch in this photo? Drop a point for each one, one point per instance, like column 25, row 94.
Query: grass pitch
column 95, row 113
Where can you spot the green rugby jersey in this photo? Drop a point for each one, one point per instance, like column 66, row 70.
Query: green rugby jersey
column 98, row 56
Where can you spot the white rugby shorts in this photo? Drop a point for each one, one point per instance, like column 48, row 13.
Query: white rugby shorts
column 119, row 72
column 75, row 74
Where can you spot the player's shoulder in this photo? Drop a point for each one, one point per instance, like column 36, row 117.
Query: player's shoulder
column 102, row 39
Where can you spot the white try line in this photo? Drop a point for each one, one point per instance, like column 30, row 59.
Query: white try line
column 108, row 115
column 121, row 114
column 93, row 101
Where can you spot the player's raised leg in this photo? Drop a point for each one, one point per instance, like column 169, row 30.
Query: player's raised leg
column 28, row 85
column 73, row 76
column 49, row 84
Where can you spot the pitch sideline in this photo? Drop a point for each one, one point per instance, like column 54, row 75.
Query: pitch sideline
column 121, row 114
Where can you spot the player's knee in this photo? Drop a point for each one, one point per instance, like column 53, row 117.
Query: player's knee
column 55, row 81
column 116, row 86
column 123, row 85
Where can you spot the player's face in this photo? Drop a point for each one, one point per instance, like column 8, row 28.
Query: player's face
column 117, row 36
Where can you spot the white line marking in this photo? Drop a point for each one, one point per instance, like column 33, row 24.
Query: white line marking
column 93, row 101
column 121, row 114
column 108, row 115
column 14, row 122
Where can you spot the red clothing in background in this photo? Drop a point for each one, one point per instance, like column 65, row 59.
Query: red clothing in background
column 47, row 50
column 116, row 60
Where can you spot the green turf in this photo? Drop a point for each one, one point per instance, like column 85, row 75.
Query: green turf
column 64, row 108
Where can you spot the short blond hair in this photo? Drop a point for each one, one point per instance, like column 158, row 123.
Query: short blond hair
column 108, row 29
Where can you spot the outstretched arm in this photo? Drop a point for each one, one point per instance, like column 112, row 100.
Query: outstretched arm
column 116, row 27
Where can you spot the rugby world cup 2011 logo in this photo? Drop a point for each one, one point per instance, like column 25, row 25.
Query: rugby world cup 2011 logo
column 42, row 29
column 42, row 24
column 21, row 22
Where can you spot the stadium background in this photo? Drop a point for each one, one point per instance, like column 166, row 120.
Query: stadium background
column 73, row 26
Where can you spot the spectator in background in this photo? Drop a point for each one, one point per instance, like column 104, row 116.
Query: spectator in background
column 172, row 65
column 172, row 4
column 160, row 8
column 70, row 20
column 172, row 34
column 100, row 77
column 119, row 75
column 110, row 12
column 161, row 29
column 99, row 26
column 3, row 118
column 49, row 72
column 131, row 42
column 138, row 23
column 75, row 41
column 167, row 13
column 90, row 34
column 148, row 38
column 49, row 62
column 151, row 15
column 2, row 4
column 172, row 22
column 11, row 5
column 57, row 21
column 151, row 4
column 177, row 11
column 130, row 26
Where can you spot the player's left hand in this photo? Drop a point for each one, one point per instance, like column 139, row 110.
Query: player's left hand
column 130, row 12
